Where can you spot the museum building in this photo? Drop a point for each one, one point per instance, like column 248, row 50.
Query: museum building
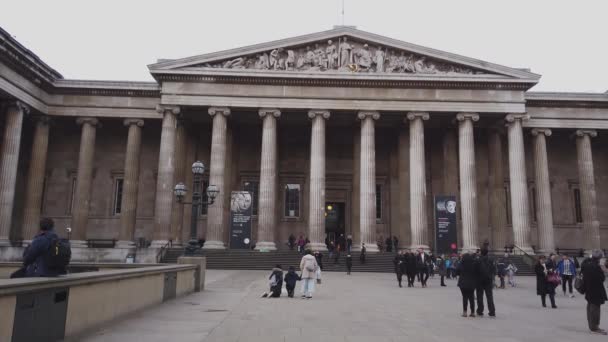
column 336, row 132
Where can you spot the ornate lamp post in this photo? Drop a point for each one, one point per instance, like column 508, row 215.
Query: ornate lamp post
column 198, row 168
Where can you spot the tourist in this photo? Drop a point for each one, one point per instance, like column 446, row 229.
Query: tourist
column 39, row 259
column 441, row 269
column 301, row 244
column 422, row 264
column 349, row 244
column 331, row 249
column 567, row 270
column 319, row 258
column 467, row 281
column 501, row 271
column 275, row 281
column 395, row 243
column 389, row 244
column 308, row 266
column 397, row 266
column 291, row 277
column 448, row 267
column 362, row 255
column 291, row 241
column 411, row 268
column 349, row 263
column 380, row 243
column 595, row 293
column 486, row 273
column 543, row 286
column 337, row 255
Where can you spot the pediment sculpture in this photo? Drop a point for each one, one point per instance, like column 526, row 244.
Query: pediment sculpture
column 343, row 55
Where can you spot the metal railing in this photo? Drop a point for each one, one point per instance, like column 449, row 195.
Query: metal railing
column 527, row 258
column 163, row 250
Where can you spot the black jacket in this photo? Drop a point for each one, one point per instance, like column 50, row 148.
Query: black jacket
column 35, row 256
column 291, row 277
column 467, row 273
column 411, row 267
column 593, row 277
column 349, row 261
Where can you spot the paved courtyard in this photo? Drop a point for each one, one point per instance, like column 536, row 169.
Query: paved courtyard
column 361, row 307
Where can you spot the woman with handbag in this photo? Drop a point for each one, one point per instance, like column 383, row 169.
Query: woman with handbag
column 545, row 281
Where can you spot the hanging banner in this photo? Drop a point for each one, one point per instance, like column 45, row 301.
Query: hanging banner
column 446, row 231
column 240, row 220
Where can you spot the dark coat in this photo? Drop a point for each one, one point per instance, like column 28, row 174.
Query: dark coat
column 411, row 267
column 276, row 290
column 593, row 277
column 543, row 287
column 291, row 277
column 35, row 256
column 349, row 262
column 441, row 269
column 423, row 264
column 467, row 273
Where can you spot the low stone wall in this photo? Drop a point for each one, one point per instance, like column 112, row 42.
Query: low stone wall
column 90, row 255
column 78, row 302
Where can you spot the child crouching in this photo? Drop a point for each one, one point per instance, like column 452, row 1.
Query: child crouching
column 276, row 283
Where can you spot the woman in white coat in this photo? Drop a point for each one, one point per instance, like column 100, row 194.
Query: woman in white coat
column 308, row 266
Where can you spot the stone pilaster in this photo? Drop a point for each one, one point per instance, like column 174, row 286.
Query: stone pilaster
column 35, row 178
column 498, row 215
column 316, row 208
column 130, row 183
column 164, row 181
column 268, row 185
column 9, row 160
column 84, row 179
column 591, row 223
column 367, row 198
column 468, row 181
column 179, row 175
column 544, row 207
column 215, row 212
column 520, row 205
column 418, row 200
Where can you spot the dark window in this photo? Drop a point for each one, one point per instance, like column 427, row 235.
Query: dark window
column 292, row 200
column 252, row 187
column 578, row 213
column 378, row 202
column 72, row 195
column 117, row 207
column 204, row 190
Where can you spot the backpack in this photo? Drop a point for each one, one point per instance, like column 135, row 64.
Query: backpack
column 59, row 253
column 310, row 267
column 579, row 284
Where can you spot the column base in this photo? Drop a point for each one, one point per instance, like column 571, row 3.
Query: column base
column 158, row 243
column 527, row 249
column 265, row 246
column 425, row 248
column 125, row 244
column 544, row 251
column 5, row 242
column 78, row 243
column 371, row 248
column 316, row 247
column 214, row 245
column 469, row 249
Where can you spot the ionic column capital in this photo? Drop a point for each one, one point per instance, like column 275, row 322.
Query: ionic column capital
column 137, row 122
column 510, row 118
column 269, row 111
column 225, row 111
column 164, row 109
column 362, row 115
column 88, row 120
column 24, row 108
column 413, row 115
column 537, row 131
column 583, row 132
column 467, row 116
column 318, row 112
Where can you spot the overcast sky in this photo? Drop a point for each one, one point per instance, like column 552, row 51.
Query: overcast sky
column 564, row 41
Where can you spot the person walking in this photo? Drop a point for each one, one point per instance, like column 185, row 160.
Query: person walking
column 500, row 272
column 349, row 263
column 422, row 263
column 567, row 271
column 395, row 243
column 411, row 269
column 511, row 272
column 467, row 282
column 595, row 292
column 543, row 286
column 389, row 244
column 291, row 241
column 362, row 255
column 319, row 258
column 486, row 272
column 441, row 269
column 308, row 267
column 397, row 263
column 349, row 244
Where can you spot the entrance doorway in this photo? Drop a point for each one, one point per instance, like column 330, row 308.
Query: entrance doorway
column 335, row 221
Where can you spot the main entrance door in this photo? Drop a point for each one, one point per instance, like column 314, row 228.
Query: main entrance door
column 335, row 216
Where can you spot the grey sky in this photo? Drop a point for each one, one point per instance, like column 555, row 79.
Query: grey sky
column 564, row 41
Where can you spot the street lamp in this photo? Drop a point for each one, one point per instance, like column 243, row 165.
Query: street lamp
column 180, row 190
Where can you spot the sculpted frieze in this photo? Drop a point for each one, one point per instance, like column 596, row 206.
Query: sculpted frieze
column 343, row 55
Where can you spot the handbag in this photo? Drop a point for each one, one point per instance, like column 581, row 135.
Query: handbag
column 579, row 284
column 554, row 279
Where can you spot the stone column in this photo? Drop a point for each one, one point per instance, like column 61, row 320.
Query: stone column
column 450, row 172
column 367, row 198
column 9, row 161
column 35, row 178
column 164, row 181
column 544, row 208
column 356, row 191
column 418, row 218
column 404, row 187
column 84, row 179
column 591, row 223
column 268, row 185
column 179, row 175
column 316, row 207
column 215, row 212
column 468, row 181
column 520, row 205
column 498, row 215
column 130, row 183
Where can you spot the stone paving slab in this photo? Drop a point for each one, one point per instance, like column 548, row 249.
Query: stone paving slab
column 361, row 307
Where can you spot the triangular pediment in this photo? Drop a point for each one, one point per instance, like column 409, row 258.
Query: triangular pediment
column 343, row 50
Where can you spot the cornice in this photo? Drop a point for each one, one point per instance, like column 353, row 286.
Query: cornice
column 106, row 88
column 567, row 99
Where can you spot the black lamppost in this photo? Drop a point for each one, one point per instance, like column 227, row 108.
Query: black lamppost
column 198, row 168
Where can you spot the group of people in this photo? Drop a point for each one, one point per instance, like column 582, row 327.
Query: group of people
column 414, row 264
column 476, row 274
column 388, row 245
column 310, row 274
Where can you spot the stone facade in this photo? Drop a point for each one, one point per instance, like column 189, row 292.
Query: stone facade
column 375, row 137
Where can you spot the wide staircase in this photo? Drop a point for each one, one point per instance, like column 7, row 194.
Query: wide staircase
column 254, row 260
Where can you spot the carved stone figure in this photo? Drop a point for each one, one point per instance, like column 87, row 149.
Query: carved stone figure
column 262, row 62
column 393, row 63
column 309, row 60
column 237, row 63
column 409, row 66
column 274, row 59
column 320, row 58
column 345, row 50
column 379, row 59
column 331, row 55
column 290, row 62
column 364, row 58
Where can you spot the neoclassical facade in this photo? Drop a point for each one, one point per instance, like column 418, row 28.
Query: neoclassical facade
column 337, row 132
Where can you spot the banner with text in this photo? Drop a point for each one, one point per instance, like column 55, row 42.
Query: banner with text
column 446, row 231
column 240, row 219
